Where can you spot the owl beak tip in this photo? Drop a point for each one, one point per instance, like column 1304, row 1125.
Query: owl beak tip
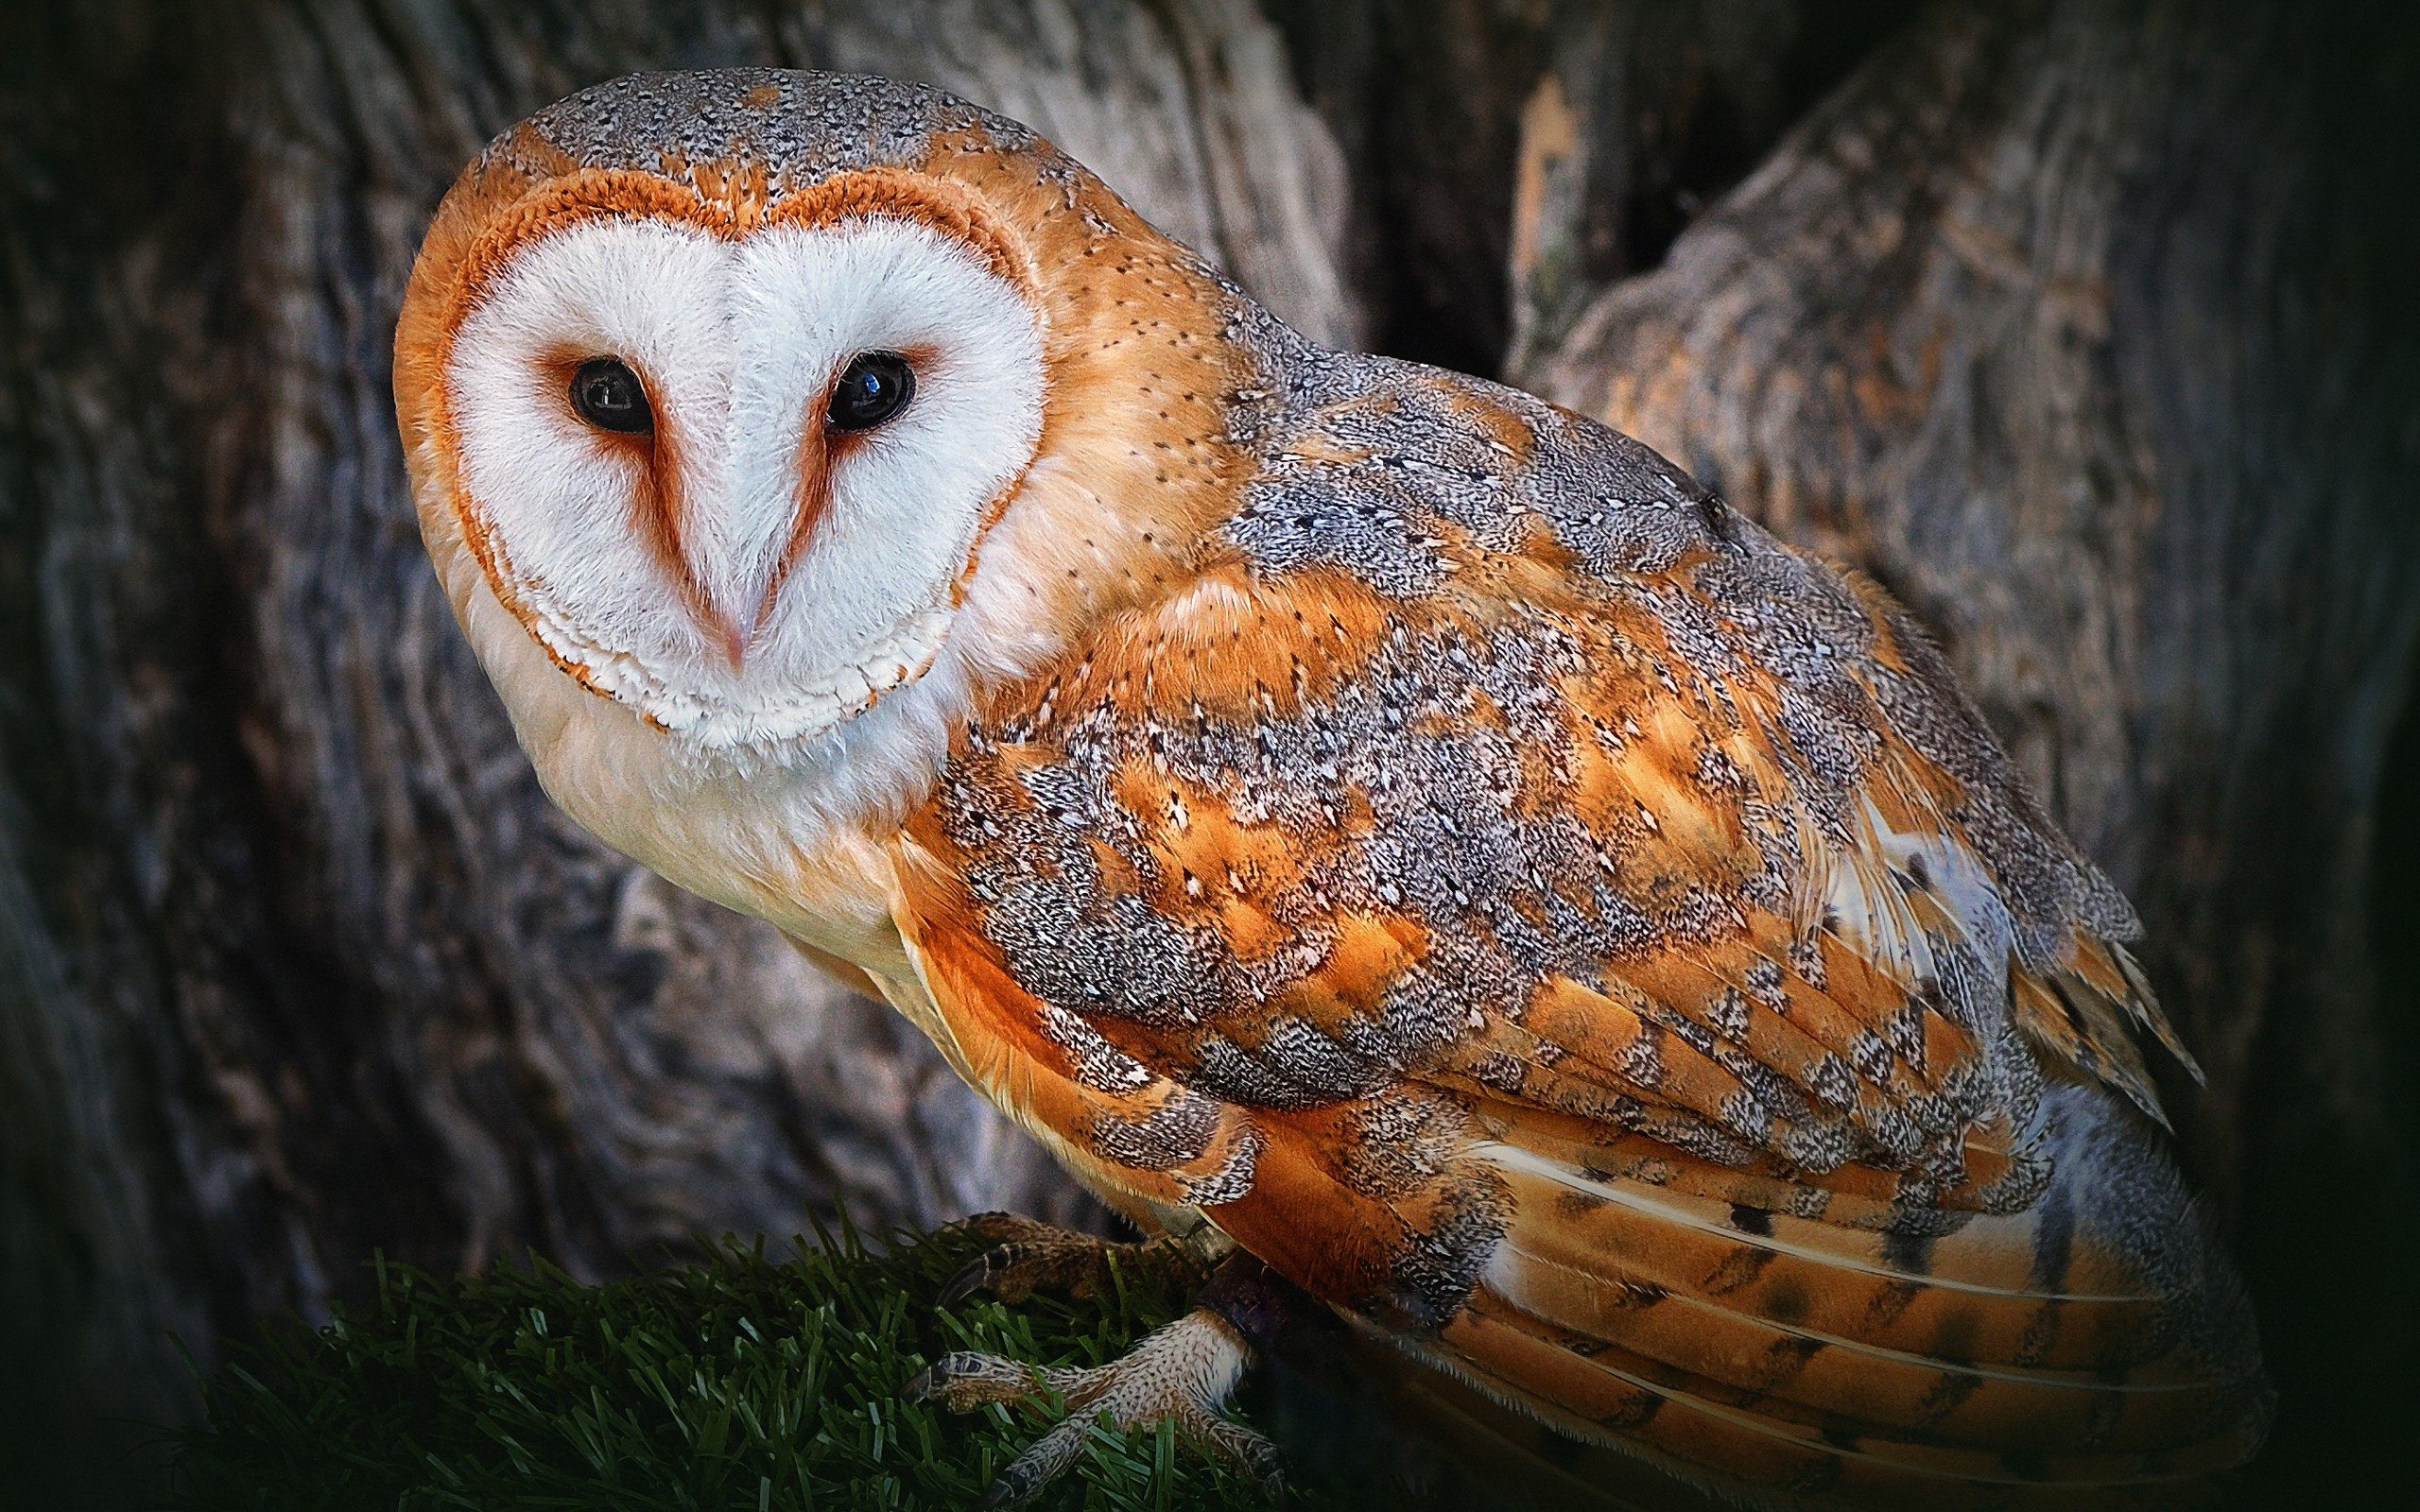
column 734, row 636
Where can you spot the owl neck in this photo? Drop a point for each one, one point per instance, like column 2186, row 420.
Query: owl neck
column 1145, row 351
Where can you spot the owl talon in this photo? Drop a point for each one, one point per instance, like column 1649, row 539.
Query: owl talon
column 1032, row 1256
column 1002, row 1227
column 1074, row 1263
column 1179, row 1374
column 965, row 1380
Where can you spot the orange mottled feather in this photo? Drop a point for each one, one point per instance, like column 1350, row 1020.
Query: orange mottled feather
column 1749, row 1187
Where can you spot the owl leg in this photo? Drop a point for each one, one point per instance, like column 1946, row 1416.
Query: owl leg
column 1182, row 1374
column 1030, row 1256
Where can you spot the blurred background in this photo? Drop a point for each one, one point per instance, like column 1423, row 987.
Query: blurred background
column 2091, row 328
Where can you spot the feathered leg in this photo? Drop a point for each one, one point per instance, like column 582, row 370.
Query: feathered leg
column 1182, row 1373
column 1030, row 1256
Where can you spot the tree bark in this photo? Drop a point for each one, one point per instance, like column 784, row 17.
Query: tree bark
column 2087, row 326
column 298, row 960
column 1462, row 120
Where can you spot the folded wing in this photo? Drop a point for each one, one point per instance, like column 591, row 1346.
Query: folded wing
column 1647, row 994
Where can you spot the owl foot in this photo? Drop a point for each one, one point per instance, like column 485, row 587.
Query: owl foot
column 1031, row 1256
column 1179, row 1374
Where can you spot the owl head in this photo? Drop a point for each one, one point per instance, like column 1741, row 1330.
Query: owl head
column 719, row 390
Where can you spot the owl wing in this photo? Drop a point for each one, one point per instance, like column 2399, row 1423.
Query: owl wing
column 1622, row 968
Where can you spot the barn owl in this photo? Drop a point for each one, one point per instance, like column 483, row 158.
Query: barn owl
column 1370, row 824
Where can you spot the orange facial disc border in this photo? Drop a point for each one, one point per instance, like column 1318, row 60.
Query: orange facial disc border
column 731, row 203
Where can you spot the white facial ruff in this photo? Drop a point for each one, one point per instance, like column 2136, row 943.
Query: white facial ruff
column 739, row 343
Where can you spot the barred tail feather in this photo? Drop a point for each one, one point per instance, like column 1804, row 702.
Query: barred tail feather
column 2035, row 1359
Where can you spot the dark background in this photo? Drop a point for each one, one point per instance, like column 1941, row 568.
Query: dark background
column 2089, row 326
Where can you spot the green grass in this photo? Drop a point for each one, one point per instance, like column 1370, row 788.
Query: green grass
column 734, row 1384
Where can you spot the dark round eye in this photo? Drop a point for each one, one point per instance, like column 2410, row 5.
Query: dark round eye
column 877, row 386
column 610, row 397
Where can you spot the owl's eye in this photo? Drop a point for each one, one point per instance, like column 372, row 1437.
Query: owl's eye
column 877, row 386
column 610, row 397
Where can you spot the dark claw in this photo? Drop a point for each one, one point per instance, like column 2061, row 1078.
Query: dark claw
column 1014, row 1485
column 973, row 1276
column 1269, row 1472
column 997, row 1227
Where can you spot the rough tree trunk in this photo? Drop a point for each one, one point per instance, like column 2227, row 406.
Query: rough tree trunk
column 2089, row 330
column 299, row 961
column 2086, row 326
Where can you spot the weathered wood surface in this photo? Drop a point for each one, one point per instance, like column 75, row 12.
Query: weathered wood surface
column 2087, row 327
column 2090, row 329
column 301, row 962
column 1673, row 101
column 1959, row 332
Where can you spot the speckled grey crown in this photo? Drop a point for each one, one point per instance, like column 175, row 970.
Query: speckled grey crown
column 812, row 126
